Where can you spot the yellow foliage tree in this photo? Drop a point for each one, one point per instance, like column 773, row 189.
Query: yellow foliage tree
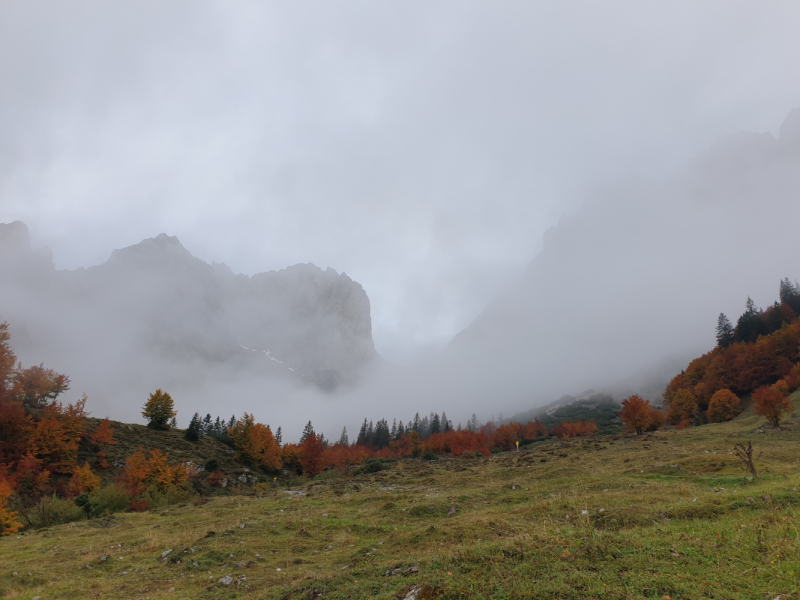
column 153, row 471
column 83, row 480
column 159, row 410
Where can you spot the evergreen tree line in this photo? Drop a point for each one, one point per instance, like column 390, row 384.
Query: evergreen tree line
column 380, row 435
column 755, row 322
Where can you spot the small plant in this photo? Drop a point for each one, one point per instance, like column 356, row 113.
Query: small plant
column 745, row 456
column 429, row 456
column 212, row 465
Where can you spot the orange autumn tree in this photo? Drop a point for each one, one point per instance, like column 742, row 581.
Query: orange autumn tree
column 505, row 436
column 683, row 408
column 101, row 437
column 255, row 443
column 9, row 524
column 83, row 480
column 772, row 402
column 637, row 415
column 567, row 429
column 312, row 460
column 142, row 472
column 722, row 406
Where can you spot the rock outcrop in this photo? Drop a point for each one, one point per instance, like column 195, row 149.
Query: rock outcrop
column 155, row 297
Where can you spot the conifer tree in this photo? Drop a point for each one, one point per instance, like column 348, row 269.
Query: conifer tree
column 195, row 428
column 370, row 433
column 307, row 431
column 381, row 438
column 459, row 426
column 416, row 424
column 401, row 430
column 445, row 424
column 790, row 294
column 724, row 331
column 435, row 425
column 393, row 433
column 362, row 435
column 279, row 435
column 343, row 438
column 207, row 424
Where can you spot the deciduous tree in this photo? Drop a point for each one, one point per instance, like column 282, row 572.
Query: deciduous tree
column 159, row 410
column 772, row 402
column 722, row 406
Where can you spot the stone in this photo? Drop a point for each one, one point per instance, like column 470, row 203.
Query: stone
column 227, row 580
column 163, row 554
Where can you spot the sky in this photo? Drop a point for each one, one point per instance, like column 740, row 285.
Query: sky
column 421, row 147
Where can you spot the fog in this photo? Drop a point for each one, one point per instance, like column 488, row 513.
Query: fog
column 536, row 199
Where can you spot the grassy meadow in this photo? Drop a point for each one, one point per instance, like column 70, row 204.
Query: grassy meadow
column 664, row 515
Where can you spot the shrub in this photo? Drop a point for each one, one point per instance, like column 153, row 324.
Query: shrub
column 110, row 499
column 371, row 465
column 429, row 456
column 52, row 510
column 468, row 454
column 212, row 465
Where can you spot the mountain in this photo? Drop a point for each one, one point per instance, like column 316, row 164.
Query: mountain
column 633, row 282
column 155, row 304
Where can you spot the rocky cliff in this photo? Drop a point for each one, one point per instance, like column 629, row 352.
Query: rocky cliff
column 156, row 298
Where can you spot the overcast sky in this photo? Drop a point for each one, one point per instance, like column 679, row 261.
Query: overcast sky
column 421, row 147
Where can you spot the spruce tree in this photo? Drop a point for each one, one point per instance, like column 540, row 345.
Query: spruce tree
column 416, row 424
column 790, row 294
column 343, row 438
column 393, row 433
column 207, row 424
column 279, row 436
column 381, row 437
column 361, row 440
column 195, row 428
column 446, row 425
column 435, row 425
column 401, row 430
column 724, row 331
column 308, row 430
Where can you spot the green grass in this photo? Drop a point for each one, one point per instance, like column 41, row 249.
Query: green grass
column 667, row 514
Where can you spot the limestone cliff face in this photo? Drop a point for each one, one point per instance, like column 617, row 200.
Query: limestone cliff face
column 299, row 322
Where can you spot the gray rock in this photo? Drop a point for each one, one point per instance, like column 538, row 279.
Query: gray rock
column 227, row 580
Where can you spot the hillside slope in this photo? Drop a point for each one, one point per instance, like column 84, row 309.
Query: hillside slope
column 668, row 514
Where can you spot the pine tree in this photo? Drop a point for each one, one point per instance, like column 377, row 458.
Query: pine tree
column 724, row 331
column 370, row 434
column 362, row 440
column 416, row 424
column 790, row 294
column 473, row 424
column 750, row 325
column 401, row 430
column 279, row 436
column 393, row 433
column 195, row 428
column 207, row 424
column 446, row 425
column 382, row 435
column 343, row 438
column 459, row 426
column 435, row 424
column 232, row 422
column 307, row 431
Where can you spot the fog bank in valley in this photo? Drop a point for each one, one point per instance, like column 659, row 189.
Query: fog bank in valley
column 623, row 294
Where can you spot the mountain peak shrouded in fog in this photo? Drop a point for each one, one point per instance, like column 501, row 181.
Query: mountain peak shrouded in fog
column 633, row 282
column 153, row 312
